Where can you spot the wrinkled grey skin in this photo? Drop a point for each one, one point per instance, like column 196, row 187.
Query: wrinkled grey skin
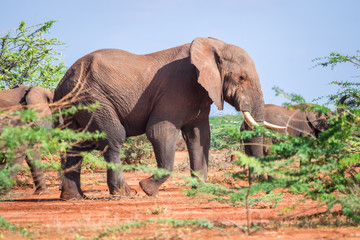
column 29, row 97
column 159, row 94
column 298, row 123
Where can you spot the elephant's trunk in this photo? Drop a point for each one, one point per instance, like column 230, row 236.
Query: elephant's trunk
column 254, row 145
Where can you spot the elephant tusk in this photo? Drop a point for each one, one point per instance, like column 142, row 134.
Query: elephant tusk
column 249, row 119
column 251, row 122
column 273, row 126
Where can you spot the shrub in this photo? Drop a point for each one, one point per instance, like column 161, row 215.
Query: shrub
column 225, row 132
column 136, row 149
column 27, row 57
column 21, row 135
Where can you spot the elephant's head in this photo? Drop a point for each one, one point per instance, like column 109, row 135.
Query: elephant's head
column 39, row 99
column 317, row 122
column 228, row 73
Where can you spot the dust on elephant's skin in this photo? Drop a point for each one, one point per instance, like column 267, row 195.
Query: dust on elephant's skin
column 38, row 98
column 159, row 94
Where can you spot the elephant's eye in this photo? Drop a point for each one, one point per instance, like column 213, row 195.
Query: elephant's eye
column 241, row 78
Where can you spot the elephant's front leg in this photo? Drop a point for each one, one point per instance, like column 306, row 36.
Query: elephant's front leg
column 197, row 139
column 163, row 136
column 37, row 175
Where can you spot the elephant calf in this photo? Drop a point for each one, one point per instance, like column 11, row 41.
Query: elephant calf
column 29, row 97
column 296, row 122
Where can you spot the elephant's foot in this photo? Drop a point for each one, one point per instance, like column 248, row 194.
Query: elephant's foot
column 41, row 191
column 150, row 186
column 124, row 190
column 70, row 191
column 71, row 195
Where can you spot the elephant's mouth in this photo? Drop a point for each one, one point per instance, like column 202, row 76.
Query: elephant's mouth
column 251, row 122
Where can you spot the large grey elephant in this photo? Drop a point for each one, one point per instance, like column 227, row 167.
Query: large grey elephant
column 295, row 122
column 29, row 97
column 159, row 94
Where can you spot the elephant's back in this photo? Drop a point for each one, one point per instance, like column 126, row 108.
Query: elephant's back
column 291, row 117
column 12, row 97
column 112, row 78
column 97, row 71
column 280, row 115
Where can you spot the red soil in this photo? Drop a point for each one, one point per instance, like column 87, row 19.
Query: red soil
column 46, row 217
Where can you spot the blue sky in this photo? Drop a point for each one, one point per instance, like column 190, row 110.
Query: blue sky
column 282, row 36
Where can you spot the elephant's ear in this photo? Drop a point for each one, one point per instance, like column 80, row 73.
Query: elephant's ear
column 204, row 55
column 317, row 120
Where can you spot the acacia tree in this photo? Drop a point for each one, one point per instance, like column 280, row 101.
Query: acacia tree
column 348, row 93
column 27, row 57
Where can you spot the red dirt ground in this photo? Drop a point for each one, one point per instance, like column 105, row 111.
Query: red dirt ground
column 46, row 217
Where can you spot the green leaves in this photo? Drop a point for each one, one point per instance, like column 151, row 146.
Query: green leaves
column 22, row 231
column 335, row 58
column 27, row 57
column 348, row 93
column 292, row 97
column 136, row 149
column 161, row 221
column 225, row 132
column 19, row 135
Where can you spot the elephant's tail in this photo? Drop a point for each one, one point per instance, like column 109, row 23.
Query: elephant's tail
column 58, row 117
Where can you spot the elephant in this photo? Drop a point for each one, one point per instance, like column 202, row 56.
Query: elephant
column 38, row 98
column 295, row 122
column 159, row 94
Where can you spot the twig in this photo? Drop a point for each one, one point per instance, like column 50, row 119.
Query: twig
column 247, row 203
column 300, row 212
column 234, row 223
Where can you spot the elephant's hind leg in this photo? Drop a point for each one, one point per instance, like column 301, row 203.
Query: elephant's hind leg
column 115, row 137
column 70, row 189
column 115, row 178
column 163, row 136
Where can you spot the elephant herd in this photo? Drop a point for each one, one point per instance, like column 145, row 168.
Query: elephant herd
column 159, row 94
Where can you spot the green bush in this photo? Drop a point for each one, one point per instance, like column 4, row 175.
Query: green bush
column 224, row 135
column 27, row 57
column 136, row 150
column 20, row 134
column 225, row 132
